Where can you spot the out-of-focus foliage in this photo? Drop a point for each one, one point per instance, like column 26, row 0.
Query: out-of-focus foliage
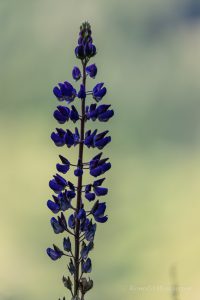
column 150, row 60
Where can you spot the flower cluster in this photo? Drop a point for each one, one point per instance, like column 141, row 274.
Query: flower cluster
column 70, row 200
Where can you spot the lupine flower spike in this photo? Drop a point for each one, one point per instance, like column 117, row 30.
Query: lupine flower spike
column 69, row 200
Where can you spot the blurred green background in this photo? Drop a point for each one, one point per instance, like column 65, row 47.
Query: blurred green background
column 149, row 58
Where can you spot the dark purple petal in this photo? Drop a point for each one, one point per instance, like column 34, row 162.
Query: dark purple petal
column 71, row 194
column 96, row 171
column 98, row 156
column 101, row 219
column 78, row 172
column 100, row 135
column 105, row 167
column 76, row 73
column 98, row 182
column 54, row 207
column 65, row 202
column 67, row 244
column 90, row 49
column 71, row 186
column 98, row 95
column 87, row 266
column 69, row 138
column 60, row 180
column 71, row 267
column 81, row 214
column 84, row 252
column 98, row 87
column 104, row 117
column 64, row 160
column 92, row 113
column 79, row 52
column 67, row 88
column 62, row 114
column 57, row 188
column 89, row 139
column 102, row 108
column 74, row 116
column 76, row 136
column 56, row 226
column 57, row 92
column 100, row 144
column 62, row 168
column 62, row 221
column 93, row 50
column 88, row 188
column 90, row 231
column 71, row 221
column 91, row 70
column 94, row 163
column 64, row 110
column 100, row 191
column 81, row 93
column 90, row 196
column 54, row 255
column 57, row 139
column 99, row 209
column 59, row 117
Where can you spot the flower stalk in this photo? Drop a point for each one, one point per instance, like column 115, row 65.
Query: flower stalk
column 80, row 224
column 79, row 189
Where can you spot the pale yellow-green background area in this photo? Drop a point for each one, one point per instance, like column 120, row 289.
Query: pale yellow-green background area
column 149, row 58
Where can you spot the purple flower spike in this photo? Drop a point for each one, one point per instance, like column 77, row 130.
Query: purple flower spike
column 74, row 204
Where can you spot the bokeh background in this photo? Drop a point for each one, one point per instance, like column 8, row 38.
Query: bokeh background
column 149, row 58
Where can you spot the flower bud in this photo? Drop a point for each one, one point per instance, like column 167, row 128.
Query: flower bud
column 79, row 52
column 67, row 282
